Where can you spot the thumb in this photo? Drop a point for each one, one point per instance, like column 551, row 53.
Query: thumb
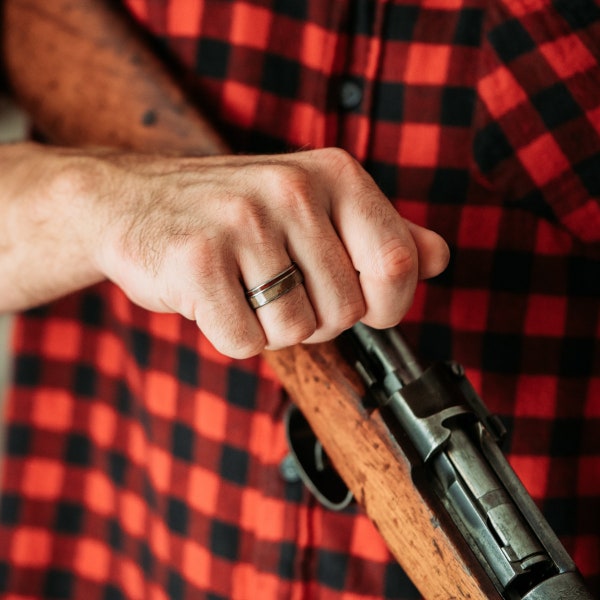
column 432, row 250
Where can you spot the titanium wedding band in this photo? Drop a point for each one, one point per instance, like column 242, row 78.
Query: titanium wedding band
column 276, row 287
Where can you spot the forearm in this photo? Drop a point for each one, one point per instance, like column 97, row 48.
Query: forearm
column 47, row 230
column 85, row 77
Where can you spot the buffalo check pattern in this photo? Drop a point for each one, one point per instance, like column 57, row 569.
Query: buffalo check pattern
column 142, row 464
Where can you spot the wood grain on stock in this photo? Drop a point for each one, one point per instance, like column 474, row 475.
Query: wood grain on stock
column 85, row 80
column 378, row 471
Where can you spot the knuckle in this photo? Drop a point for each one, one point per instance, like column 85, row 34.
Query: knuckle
column 296, row 332
column 382, row 317
column 241, row 351
column 292, row 187
column 293, row 331
column 249, row 218
column 342, row 163
column 243, row 213
column 345, row 315
column 233, row 339
column 336, row 155
column 346, row 302
column 396, row 260
column 174, row 297
column 350, row 313
column 294, row 326
column 203, row 261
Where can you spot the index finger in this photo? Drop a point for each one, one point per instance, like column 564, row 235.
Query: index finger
column 377, row 240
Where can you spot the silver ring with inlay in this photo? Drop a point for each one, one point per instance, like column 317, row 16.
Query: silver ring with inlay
column 275, row 287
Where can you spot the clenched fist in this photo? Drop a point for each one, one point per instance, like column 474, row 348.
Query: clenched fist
column 192, row 235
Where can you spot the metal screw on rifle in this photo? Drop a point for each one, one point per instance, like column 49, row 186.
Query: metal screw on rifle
column 457, row 369
column 289, row 470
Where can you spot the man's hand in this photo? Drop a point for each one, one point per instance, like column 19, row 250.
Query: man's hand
column 191, row 235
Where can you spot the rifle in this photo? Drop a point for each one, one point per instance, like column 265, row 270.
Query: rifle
column 451, row 440
column 131, row 102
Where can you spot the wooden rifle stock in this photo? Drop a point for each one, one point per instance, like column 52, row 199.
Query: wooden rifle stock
column 85, row 79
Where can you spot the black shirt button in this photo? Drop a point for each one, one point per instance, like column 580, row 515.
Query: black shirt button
column 351, row 94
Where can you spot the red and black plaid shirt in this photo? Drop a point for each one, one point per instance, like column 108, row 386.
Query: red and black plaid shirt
column 142, row 464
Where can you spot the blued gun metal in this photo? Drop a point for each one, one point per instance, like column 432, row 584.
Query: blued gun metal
column 456, row 438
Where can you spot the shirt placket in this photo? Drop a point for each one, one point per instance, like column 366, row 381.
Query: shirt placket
column 356, row 82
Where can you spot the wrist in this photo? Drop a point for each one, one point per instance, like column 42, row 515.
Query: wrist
column 51, row 224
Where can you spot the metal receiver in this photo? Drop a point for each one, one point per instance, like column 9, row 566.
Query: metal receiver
column 456, row 438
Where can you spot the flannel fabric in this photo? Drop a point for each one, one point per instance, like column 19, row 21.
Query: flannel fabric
column 142, row 464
